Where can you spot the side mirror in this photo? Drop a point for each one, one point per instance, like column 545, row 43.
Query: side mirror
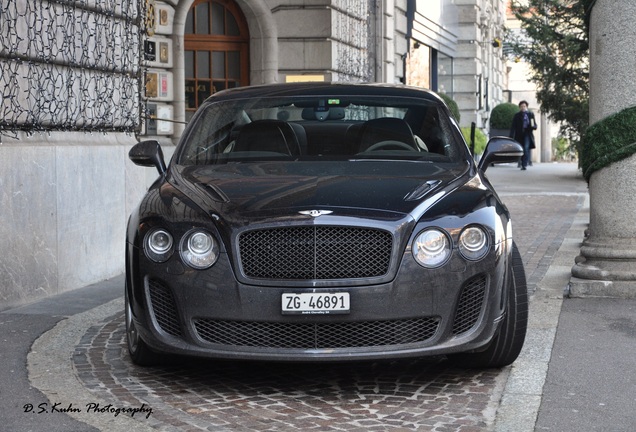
column 148, row 153
column 500, row 150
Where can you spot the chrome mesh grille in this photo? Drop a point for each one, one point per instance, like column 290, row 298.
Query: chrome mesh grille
column 354, row 334
column 315, row 252
column 470, row 304
column 164, row 308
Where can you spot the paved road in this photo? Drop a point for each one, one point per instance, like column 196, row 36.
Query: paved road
column 19, row 329
column 74, row 348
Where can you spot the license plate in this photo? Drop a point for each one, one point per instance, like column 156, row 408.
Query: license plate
column 313, row 303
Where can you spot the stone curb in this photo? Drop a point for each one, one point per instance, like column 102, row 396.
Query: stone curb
column 50, row 369
column 523, row 393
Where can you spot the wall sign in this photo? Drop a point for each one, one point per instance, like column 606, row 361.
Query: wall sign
column 155, row 113
column 159, row 85
column 150, row 17
column 150, row 50
column 158, row 52
column 164, row 18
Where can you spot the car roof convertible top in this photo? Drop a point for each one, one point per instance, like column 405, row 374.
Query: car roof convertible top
column 324, row 89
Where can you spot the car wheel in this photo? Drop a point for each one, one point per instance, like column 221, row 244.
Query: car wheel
column 139, row 351
column 506, row 345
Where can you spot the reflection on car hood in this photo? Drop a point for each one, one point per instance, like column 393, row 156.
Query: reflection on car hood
column 277, row 187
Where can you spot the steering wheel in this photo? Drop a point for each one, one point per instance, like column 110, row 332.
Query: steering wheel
column 390, row 143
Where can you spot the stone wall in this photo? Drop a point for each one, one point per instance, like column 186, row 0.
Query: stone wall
column 70, row 79
column 479, row 66
column 64, row 202
column 341, row 40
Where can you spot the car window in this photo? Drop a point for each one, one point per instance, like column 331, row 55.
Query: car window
column 309, row 128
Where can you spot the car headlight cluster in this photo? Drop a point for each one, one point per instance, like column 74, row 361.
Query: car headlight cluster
column 198, row 248
column 158, row 245
column 432, row 247
column 473, row 243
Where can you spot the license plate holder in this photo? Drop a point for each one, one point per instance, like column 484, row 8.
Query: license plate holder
column 315, row 303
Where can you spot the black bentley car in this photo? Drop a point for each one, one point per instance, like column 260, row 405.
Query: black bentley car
column 324, row 222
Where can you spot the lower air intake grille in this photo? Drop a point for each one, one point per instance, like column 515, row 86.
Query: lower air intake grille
column 164, row 308
column 470, row 304
column 317, row 335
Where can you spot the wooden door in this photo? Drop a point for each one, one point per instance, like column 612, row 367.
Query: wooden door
column 216, row 50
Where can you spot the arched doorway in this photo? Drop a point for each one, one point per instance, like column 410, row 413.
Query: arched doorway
column 216, row 55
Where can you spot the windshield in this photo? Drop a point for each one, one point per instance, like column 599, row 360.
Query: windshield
column 321, row 128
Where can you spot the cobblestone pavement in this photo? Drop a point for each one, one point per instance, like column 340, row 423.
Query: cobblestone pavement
column 423, row 395
column 539, row 225
column 245, row 396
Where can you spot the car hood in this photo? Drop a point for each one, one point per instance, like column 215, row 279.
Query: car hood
column 363, row 189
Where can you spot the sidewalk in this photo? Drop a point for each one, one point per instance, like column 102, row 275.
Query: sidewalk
column 576, row 370
column 21, row 327
column 523, row 397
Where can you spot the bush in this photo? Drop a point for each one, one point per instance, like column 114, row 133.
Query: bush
column 501, row 116
column 608, row 140
column 480, row 139
column 452, row 106
column 562, row 149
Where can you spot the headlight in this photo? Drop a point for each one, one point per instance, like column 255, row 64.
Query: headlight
column 199, row 249
column 158, row 245
column 473, row 243
column 431, row 248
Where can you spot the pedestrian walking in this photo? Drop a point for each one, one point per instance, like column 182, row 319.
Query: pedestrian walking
column 523, row 125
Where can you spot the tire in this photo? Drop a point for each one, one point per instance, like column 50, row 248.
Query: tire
column 505, row 347
column 140, row 352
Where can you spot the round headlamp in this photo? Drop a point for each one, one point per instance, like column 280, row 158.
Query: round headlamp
column 473, row 243
column 431, row 248
column 158, row 245
column 199, row 249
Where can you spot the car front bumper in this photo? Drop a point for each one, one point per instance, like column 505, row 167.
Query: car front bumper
column 421, row 312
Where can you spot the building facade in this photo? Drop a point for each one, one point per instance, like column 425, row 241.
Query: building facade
column 216, row 44
column 519, row 88
column 83, row 80
column 456, row 49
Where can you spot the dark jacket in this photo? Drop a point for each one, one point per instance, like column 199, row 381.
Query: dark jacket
column 517, row 131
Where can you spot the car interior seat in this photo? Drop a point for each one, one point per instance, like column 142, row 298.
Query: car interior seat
column 386, row 129
column 268, row 136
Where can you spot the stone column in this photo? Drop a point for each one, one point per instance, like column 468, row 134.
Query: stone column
column 607, row 264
